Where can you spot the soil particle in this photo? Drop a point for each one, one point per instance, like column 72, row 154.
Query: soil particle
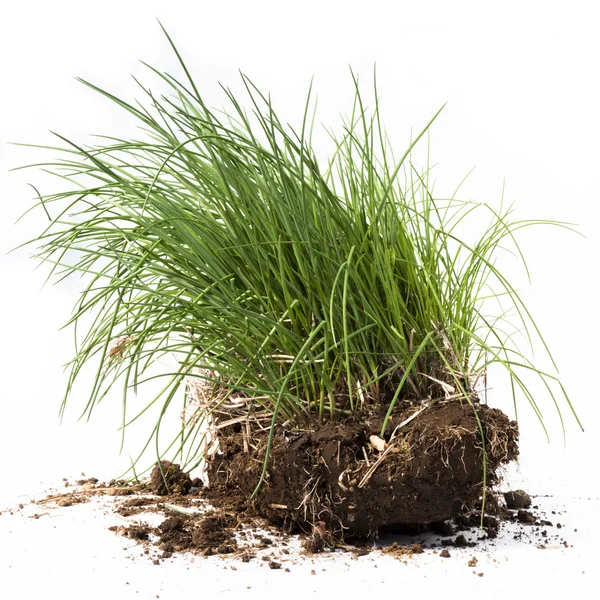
column 117, row 491
column 214, row 534
column 491, row 525
column 138, row 532
column 517, row 499
column 134, row 506
column 459, row 542
column 87, row 484
column 66, row 501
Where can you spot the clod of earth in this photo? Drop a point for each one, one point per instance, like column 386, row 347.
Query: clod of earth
column 517, row 499
column 167, row 478
column 524, row 516
column 332, row 481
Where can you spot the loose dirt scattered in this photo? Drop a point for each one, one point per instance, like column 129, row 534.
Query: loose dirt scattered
column 189, row 523
column 427, row 479
column 401, row 551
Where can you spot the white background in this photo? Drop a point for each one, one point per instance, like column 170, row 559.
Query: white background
column 521, row 82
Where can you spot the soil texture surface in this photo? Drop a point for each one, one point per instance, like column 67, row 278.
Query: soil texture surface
column 342, row 481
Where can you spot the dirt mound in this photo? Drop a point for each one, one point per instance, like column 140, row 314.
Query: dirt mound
column 345, row 480
column 167, row 478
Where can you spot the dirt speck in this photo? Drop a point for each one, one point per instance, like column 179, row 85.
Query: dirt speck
column 171, row 524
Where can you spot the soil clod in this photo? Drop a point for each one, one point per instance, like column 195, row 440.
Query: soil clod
column 524, row 516
column 167, row 477
column 517, row 499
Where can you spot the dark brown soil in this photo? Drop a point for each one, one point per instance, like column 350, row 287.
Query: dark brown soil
column 333, row 483
column 168, row 478
column 517, row 499
column 192, row 524
column 208, row 533
column 337, row 486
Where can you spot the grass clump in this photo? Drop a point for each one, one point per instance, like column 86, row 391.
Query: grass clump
column 295, row 290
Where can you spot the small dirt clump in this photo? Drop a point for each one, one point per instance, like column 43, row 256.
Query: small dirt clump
column 402, row 550
column 214, row 534
column 167, row 478
column 171, row 524
column 517, row 499
column 524, row 516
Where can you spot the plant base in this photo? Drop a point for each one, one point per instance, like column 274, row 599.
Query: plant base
column 332, row 481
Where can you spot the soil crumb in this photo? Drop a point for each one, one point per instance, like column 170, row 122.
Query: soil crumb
column 402, row 551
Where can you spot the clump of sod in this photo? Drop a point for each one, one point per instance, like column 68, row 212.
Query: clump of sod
column 294, row 291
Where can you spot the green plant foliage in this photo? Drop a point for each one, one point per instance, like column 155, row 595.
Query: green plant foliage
column 313, row 291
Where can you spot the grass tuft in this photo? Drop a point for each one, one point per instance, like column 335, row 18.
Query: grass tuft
column 296, row 291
